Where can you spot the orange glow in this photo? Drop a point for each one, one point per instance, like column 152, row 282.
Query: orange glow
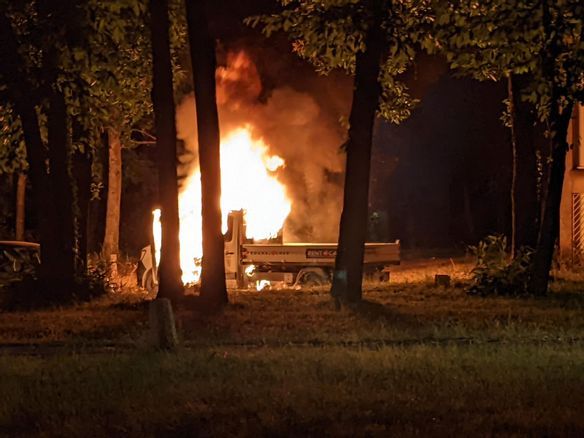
column 248, row 182
column 157, row 234
column 262, row 284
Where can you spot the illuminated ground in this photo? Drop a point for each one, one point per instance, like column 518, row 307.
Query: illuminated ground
column 413, row 359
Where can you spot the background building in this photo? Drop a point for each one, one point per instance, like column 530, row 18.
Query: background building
column 572, row 207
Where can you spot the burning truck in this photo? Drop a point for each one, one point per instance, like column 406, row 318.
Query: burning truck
column 255, row 206
column 262, row 265
column 277, row 187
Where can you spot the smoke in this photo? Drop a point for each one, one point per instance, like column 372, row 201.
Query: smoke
column 295, row 128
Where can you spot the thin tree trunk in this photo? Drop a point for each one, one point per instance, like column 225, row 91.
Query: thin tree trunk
column 558, row 119
column 97, row 207
column 512, row 191
column 36, row 153
column 20, row 205
column 114, row 195
column 61, row 186
column 169, row 271
column 348, row 271
column 203, row 61
column 550, row 223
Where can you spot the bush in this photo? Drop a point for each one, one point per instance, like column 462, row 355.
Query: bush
column 32, row 293
column 495, row 273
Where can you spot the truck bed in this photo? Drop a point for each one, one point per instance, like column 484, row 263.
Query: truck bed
column 315, row 254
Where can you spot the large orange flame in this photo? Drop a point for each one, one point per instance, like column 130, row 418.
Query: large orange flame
column 248, row 182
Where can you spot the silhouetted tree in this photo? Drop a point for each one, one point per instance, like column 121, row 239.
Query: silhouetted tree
column 203, row 61
column 348, row 272
column 57, row 97
column 111, row 239
column 542, row 40
column 169, row 272
column 25, row 93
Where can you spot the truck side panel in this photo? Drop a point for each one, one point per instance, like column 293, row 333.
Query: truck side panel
column 315, row 254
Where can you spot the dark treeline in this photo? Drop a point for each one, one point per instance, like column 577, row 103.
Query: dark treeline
column 442, row 177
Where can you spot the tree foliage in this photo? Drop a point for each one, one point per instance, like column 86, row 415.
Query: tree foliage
column 67, row 71
column 329, row 34
column 103, row 64
column 541, row 39
column 492, row 38
column 12, row 147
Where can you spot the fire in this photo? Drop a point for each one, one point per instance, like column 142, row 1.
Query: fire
column 262, row 284
column 248, row 182
column 259, row 285
column 157, row 234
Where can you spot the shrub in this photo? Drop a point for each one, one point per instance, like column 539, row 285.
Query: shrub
column 495, row 273
column 32, row 293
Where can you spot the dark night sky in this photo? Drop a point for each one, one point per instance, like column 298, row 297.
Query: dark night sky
column 452, row 167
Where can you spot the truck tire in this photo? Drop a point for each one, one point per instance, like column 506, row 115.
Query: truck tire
column 312, row 279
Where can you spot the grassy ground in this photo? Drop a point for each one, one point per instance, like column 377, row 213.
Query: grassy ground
column 413, row 359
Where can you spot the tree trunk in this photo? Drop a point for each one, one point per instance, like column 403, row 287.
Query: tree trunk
column 35, row 154
column 169, row 272
column 348, row 272
column 203, row 61
column 550, row 222
column 512, row 190
column 97, row 207
column 62, row 263
column 114, row 195
column 560, row 111
column 20, row 205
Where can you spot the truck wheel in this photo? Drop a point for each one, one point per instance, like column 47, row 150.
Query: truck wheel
column 312, row 279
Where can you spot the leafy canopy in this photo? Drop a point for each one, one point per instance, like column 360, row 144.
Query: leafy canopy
column 330, row 33
column 490, row 39
column 97, row 53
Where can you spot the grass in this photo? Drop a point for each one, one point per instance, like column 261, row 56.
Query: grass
column 413, row 359
column 298, row 391
column 391, row 314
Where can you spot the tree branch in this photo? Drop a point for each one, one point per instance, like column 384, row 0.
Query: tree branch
column 145, row 134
